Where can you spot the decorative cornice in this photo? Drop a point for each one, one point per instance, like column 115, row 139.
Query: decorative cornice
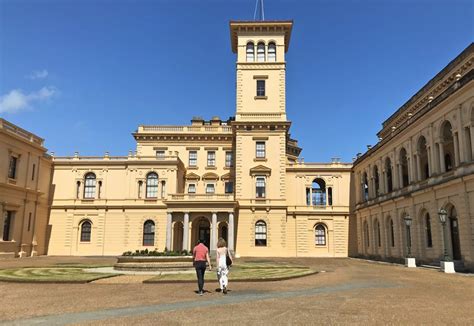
column 260, row 169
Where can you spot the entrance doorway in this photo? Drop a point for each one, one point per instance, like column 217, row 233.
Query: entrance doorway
column 202, row 231
column 178, row 236
column 455, row 244
column 224, row 232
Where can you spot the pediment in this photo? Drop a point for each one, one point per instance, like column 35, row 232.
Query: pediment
column 210, row 176
column 226, row 176
column 192, row 176
column 260, row 169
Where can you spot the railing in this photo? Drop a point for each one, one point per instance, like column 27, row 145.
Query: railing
column 185, row 129
column 10, row 127
column 208, row 197
column 115, row 158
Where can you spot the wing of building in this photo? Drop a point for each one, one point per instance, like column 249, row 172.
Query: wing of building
column 239, row 179
column 423, row 163
column 25, row 180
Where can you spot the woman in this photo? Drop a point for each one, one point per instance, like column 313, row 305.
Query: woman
column 200, row 256
column 221, row 263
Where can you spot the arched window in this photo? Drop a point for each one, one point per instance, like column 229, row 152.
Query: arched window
column 152, row 185
column 318, row 192
column 448, row 163
column 376, row 180
column 261, row 234
column 261, row 52
column 149, row 233
column 429, row 239
column 448, row 146
column 250, row 52
column 365, row 187
column 89, row 185
column 392, row 234
column 404, row 167
column 377, row 233
column 423, row 159
column 320, row 235
column 86, row 229
column 388, row 172
column 272, row 52
column 468, row 138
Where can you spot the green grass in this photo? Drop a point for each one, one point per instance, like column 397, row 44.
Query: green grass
column 50, row 275
column 256, row 272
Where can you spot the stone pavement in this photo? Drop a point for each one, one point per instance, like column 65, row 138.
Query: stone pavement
column 351, row 292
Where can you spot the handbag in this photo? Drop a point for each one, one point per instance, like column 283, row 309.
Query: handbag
column 228, row 261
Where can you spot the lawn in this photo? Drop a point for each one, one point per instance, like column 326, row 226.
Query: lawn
column 248, row 272
column 50, row 275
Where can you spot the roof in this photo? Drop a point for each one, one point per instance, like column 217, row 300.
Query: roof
column 264, row 25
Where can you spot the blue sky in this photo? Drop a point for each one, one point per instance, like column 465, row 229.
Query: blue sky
column 84, row 74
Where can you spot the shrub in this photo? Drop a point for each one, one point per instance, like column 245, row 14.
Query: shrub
column 155, row 252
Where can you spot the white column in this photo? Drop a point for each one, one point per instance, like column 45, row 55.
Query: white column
column 400, row 176
column 168, row 230
column 186, row 231
column 456, row 149
column 230, row 233
column 214, row 232
column 430, row 162
column 471, row 130
column 418, row 166
column 442, row 166
column 2, row 220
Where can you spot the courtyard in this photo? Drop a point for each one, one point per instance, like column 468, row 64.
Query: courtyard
column 342, row 291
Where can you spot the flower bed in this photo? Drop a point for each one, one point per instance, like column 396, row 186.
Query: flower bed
column 145, row 260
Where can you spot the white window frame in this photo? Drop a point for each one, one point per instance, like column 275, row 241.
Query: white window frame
column 210, row 186
column 211, row 158
column 258, row 179
column 193, row 156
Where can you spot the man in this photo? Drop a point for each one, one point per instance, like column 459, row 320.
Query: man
column 200, row 256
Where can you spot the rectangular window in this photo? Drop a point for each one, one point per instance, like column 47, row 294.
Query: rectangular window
column 211, row 158
column 33, row 172
column 229, row 187
column 260, row 187
column 228, row 159
column 7, row 224
column 193, row 158
column 160, row 154
column 12, row 167
column 191, row 188
column 260, row 87
column 210, row 188
column 260, row 149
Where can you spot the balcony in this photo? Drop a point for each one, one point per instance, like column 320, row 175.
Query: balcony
column 202, row 197
column 185, row 129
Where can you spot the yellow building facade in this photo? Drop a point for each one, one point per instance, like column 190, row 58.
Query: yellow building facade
column 422, row 165
column 25, row 179
column 239, row 179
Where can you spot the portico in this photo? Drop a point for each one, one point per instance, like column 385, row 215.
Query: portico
column 185, row 228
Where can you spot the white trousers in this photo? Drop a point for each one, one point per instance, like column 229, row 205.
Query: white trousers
column 222, row 273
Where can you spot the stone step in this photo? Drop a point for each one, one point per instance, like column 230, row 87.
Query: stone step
column 6, row 255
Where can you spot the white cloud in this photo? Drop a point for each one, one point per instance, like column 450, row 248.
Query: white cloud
column 16, row 100
column 38, row 74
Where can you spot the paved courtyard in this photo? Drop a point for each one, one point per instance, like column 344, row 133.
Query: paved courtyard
column 348, row 291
